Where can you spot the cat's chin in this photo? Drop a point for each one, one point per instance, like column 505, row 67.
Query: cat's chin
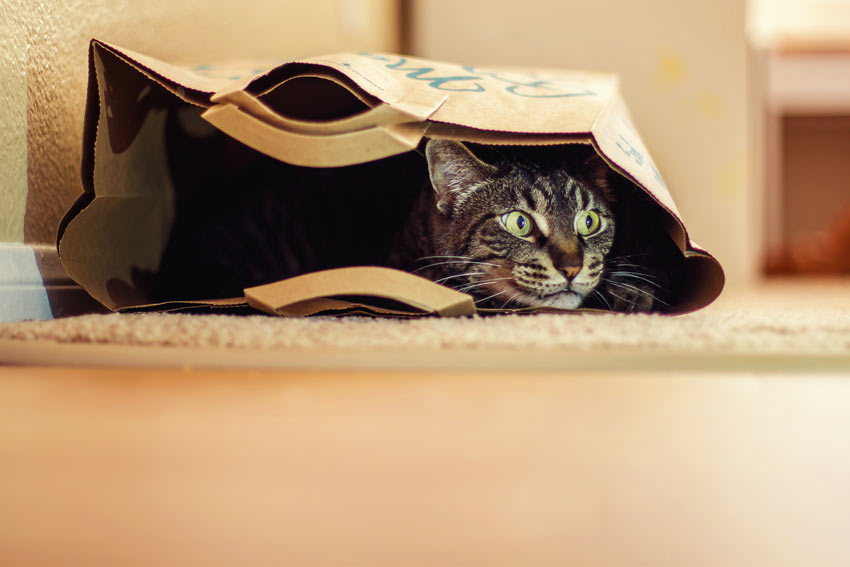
column 561, row 300
column 566, row 299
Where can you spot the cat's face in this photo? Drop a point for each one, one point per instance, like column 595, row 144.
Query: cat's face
column 519, row 234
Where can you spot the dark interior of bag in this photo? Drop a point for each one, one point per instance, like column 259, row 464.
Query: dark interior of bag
column 239, row 213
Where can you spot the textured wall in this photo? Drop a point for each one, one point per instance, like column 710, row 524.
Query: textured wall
column 684, row 78
column 45, row 48
column 13, row 121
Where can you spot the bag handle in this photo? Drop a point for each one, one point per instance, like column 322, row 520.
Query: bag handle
column 327, row 150
column 275, row 298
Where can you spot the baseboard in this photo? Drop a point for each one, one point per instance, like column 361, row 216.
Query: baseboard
column 33, row 285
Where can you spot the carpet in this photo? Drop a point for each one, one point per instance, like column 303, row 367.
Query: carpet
column 782, row 319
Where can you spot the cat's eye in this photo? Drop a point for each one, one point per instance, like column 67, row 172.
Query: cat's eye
column 517, row 223
column 587, row 223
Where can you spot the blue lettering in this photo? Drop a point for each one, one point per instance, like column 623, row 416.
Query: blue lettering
column 542, row 85
column 533, row 84
column 417, row 73
column 532, row 88
column 630, row 150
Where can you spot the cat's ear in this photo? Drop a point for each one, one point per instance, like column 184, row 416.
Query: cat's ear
column 454, row 171
column 597, row 173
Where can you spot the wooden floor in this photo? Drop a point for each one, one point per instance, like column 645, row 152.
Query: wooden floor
column 201, row 467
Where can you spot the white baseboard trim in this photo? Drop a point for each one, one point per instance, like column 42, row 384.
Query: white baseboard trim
column 23, row 294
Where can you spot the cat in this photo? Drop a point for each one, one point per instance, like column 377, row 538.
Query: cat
column 542, row 227
column 513, row 227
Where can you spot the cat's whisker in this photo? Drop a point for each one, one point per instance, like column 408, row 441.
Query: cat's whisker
column 627, row 256
column 643, row 277
column 620, row 265
column 447, row 278
column 490, row 296
column 635, row 289
column 456, row 262
column 623, row 285
column 643, row 292
column 603, row 298
column 617, row 264
column 621, row 298
column 443, row 256
column 622, row 260
column 511, row 298
column 466, row 288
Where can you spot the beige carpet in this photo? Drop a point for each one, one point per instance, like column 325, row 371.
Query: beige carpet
column 782, row 318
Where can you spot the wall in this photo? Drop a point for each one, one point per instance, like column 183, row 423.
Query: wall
column 44, row 50
column 683, row 71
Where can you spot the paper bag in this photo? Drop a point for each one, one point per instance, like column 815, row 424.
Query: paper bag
column 325, row 112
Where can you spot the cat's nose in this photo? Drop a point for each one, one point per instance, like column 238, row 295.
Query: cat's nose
column 570, row 271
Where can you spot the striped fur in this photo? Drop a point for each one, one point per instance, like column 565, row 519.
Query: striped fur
column 499, row 268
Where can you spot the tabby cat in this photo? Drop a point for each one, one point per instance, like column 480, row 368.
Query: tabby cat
column 512, row 227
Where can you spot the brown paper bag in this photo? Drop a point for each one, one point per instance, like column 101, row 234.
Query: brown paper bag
column 339, row 110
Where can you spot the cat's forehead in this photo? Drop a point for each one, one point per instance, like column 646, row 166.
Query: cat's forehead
column 545, row 187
